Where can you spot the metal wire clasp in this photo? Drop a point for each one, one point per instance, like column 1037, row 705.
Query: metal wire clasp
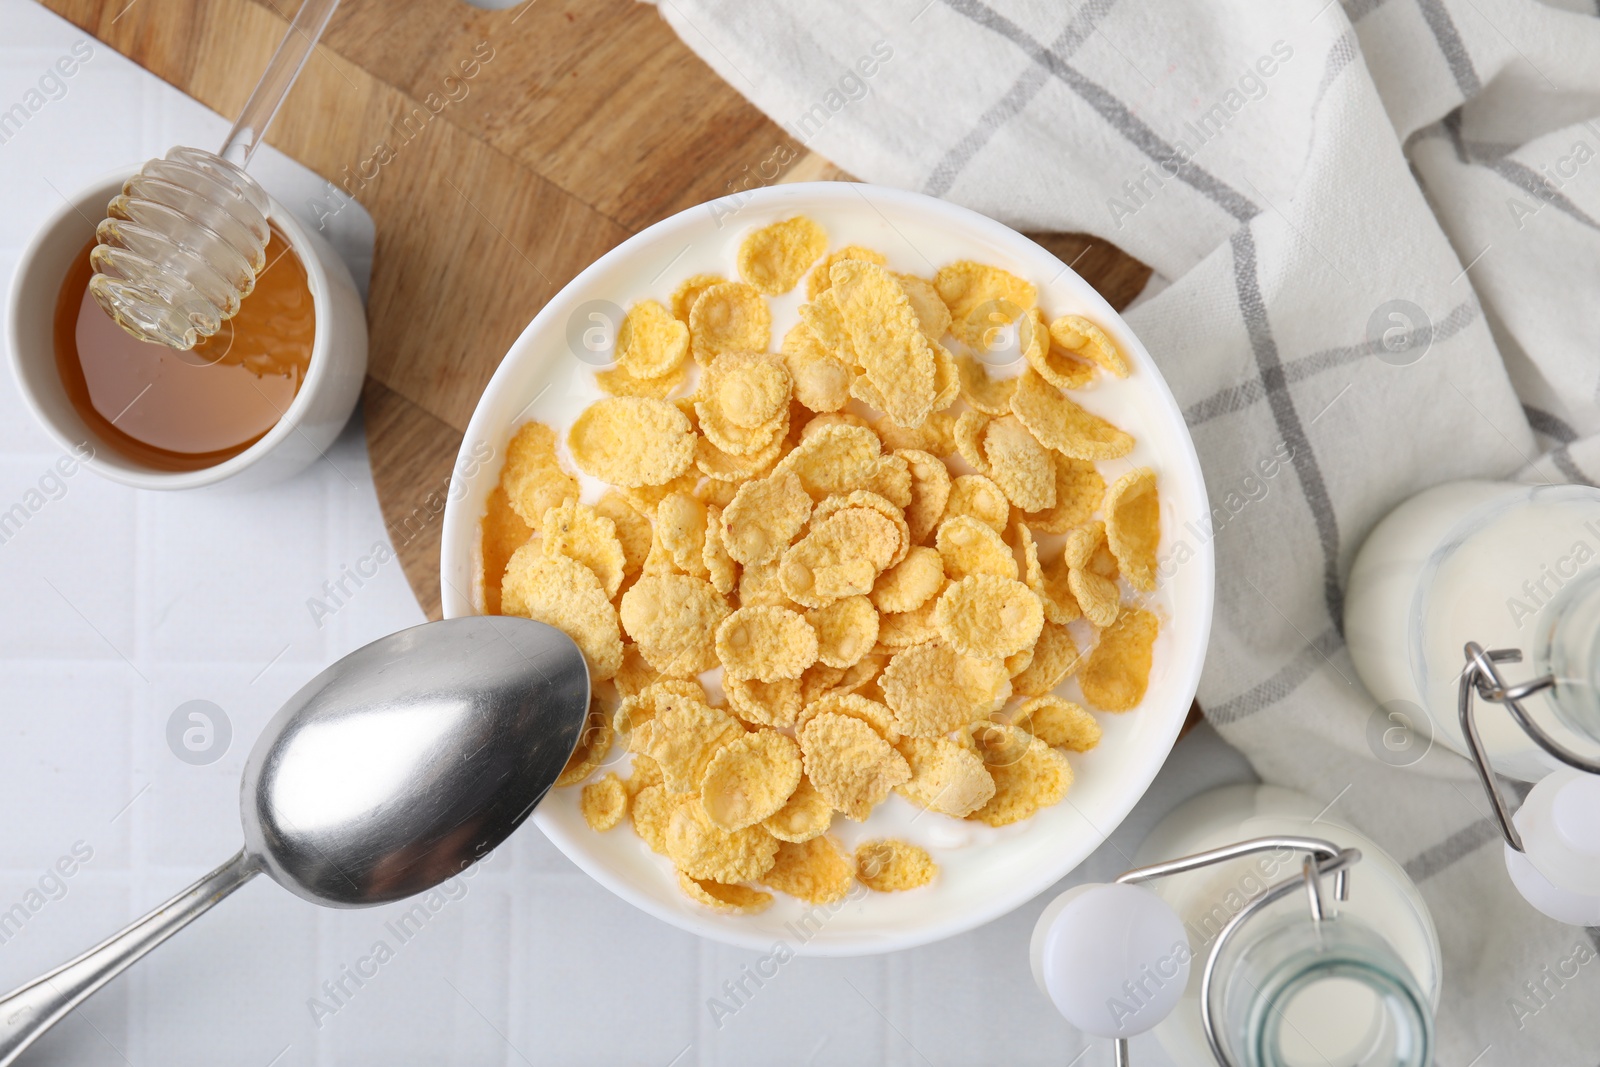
column 1481, row 676
column 1322, row 857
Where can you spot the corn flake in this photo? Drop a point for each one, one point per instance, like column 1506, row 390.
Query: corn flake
column 651, row 343
column 946, row 777
column 682, row 737
column 820, row 280
column 1117, row 670
column 750, row 779
column 813, row 870
column 1087, row 341
column 1019, row 464
column 1060, row 368
column 501, row 533
column 911, row 583
column 1133, row 526
column 620, row 383
column 930, row 491
column 969, row 430
column 580, row 533
column 641, row 707
column 988, row 617
column 533, row 479
column 632, row 441
column 806, row 814
column 644, row 772
column 775, row 258
column 986, row 395
column 759, row 584
column 1059, row 723
column 1052, row 584
column 978, row 497
column 1092, row 574
column 1055, row 655
column 652, row 810
column 821, row 379
column 728, row 317
column 631, row 528
column 689, row 291
column 854, row 706
column 743, row 396
column 891, row 479
column 936, row 435
column 1028, row 774
column 635, row 675
column 720, row 568
column 729, row 899
column 765, row 516
column 732, row 470
column 933, row 689
column 672, row 618
column 702, row 849
column 563, row 593
column 850, row 763
column 895, row 357
column 890, row 865
column 834, row 459
column 861, row 498
column 1079, row 490
column 841, row 556
column 765, row 643
column 1060, row 424
column 969, row 547
column 764, row 703
column 846, row 630
column 604, row 803
column 906, row 628
column 681, row 530
column 981, row 297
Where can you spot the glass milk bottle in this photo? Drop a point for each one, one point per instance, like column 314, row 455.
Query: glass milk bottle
column 1231, row 947
column 1474, row 594
column 1507, row 566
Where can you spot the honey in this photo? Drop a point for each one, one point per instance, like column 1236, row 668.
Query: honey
column 176, row 410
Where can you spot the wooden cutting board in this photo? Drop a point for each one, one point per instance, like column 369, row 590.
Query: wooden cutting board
column 499, row 153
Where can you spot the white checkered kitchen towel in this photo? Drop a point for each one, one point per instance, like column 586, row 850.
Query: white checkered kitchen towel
column 1303, row 175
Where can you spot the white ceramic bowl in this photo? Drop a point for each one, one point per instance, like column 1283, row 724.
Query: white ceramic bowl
column 315, row 417
column 548, row 375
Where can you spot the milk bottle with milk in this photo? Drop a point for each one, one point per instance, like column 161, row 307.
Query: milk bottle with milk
column 1467, row 594
column 1506, row 566
column 1214, row 947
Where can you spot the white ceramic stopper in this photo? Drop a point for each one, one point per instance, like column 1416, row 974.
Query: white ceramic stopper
column 1113, row 959
column 1559, row 871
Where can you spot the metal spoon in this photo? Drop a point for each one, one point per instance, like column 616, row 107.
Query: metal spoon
column 394, row 769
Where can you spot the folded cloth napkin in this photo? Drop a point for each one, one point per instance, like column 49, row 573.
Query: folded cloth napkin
column 1305, row 178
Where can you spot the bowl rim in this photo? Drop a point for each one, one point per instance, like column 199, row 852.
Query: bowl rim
column 457, row 537
column 318, row 367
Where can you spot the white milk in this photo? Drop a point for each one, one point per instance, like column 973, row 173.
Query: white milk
column 1492, row 562
column 1335, row 1022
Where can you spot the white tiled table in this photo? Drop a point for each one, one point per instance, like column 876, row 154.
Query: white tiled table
column 120, row 606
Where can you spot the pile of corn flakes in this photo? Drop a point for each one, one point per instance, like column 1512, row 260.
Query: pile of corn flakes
column 885, row 584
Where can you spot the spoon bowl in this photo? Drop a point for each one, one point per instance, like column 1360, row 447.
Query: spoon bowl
column 411, row 758
column 396, row 768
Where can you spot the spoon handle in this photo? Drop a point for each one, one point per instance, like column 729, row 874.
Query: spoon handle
column 277, row 80
column 29, row 1010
